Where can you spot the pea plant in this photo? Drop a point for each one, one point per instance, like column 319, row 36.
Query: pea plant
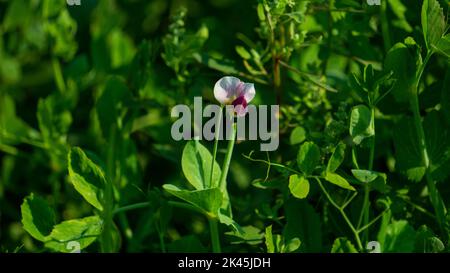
column 90, row 94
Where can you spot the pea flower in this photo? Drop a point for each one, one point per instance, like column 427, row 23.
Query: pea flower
column 232, row 91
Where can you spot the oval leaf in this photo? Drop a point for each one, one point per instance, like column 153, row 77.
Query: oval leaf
column 361, row 125
column 79, row 233
column 339, row 181
column 336, row 158
column 37, row 217
column 208, row 200
column 87, row 178
column 299, row 186
column 196, row 165
column 308, row 157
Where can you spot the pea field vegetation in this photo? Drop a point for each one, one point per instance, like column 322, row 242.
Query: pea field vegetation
column 232, row 126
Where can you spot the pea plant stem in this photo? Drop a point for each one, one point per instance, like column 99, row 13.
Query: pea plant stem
column 214, row 230
column 228, row 155
column 435, row 198
column 57, row 72
column 216, row 143
column 344, row 215
column 213, row 222
column 107, row 239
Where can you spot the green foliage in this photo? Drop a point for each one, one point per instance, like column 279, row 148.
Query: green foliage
column 308, row 157
column 361, row 123
column 87, row 162
column 299, row 186
column 87, row 177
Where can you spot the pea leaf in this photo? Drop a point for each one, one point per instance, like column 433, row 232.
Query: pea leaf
column 433, row 22
column 243, row 52
column 376, row 180
column 299, row 186
column 443, row 46
column 87, row 177
column 403, row 60
column 81, row 231
column 427, row 242
column 343, row 245
column 37, row 217
column 408, row 152
column 365, row 176
column 196, row 165
column 298, row 135
column 207, row 200
column 273, row 241
column 226, row 220
column 361, row 125
column 336, row 158
column 338, row 181
column 308, row 157
column 303, row 223
column 400, row 237
column 111, row 104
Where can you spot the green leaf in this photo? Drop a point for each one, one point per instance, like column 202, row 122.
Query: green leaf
column 273, row 241
column 291, row 246
column 249, row 235
column 443, row 46
column 407, row 150
column 121, row 48
column 400, row 10
column 427, row 242
column 445, row 97
column 81, row 231
column 87, row 178
column 408, row 153
column 308, row 157
column 208, row 200
column 299, row 186
column 365, row 176
column 196, row 165
column 343, row 245
column 403, row 59
column 400, row 237
column 339, row 181
column 437, row 136
column 433, row 22
column 243, row 52
column 298, row 135
column 336, row 158
column 111, row 104
column 226, row 220
column 14, row 130
column 304, row 223
column 361, row 125
column 37, row 217
column 376, row 180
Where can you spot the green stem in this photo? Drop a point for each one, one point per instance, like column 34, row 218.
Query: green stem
column 385, row 26
column 366, row 187
column 227, row 161
column 214, row 230
column 132, row 207
column 107, row 239
column 59, row 79
column 435, row 197
column 216, row 142
column 344, row 215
